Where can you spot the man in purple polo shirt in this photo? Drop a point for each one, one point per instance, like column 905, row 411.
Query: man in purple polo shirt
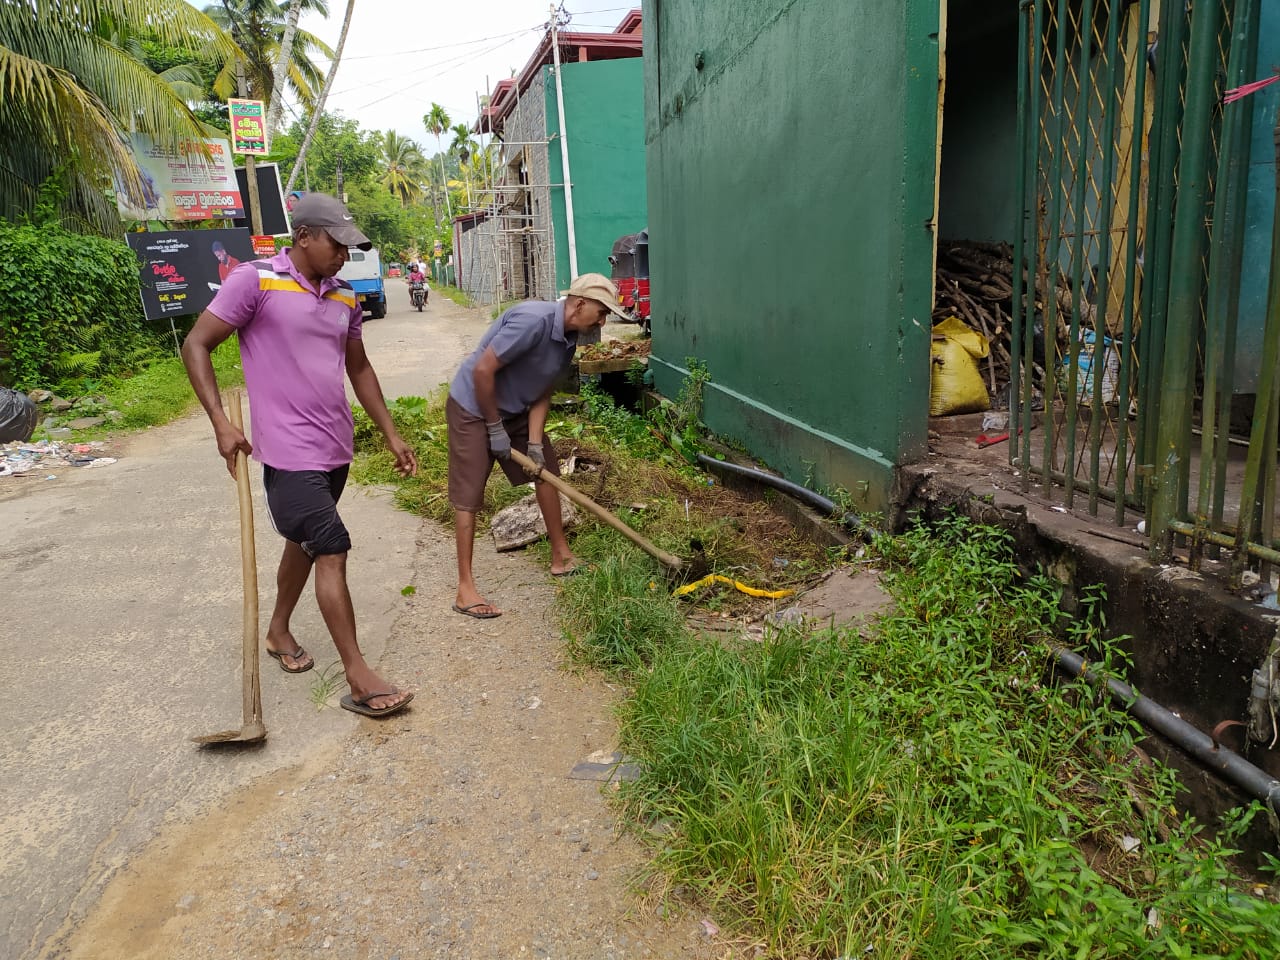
column 500, row 398
column 299, row 329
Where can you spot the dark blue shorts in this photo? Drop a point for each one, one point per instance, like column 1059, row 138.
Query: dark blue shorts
column 303, row 507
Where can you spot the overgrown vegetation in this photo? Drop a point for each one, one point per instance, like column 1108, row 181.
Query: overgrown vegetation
column 920, row 787
column 622, row 462
column 916, row 789
column 71, row 306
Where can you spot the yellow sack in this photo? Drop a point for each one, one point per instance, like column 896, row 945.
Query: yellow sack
column 955, row 382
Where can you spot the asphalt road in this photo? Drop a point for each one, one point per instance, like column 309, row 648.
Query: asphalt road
column 121, row 640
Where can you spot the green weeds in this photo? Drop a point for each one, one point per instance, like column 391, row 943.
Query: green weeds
column 459, row 297
column 917, row 789
column 420, row 420
column 160, row 392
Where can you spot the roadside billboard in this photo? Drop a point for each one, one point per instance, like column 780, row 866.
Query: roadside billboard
column 182, row 182
column 181, row 270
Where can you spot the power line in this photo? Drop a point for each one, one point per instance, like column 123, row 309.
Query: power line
column 434, row 76
column 443, row 46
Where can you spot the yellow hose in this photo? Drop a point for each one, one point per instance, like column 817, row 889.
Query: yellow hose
column 736, row 584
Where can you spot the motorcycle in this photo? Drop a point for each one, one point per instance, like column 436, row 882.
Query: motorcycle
column 418, row 294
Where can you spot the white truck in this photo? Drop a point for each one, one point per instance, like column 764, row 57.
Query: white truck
column 363, row 270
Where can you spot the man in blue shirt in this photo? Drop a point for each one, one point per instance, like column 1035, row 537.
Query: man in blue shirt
column 500, row 398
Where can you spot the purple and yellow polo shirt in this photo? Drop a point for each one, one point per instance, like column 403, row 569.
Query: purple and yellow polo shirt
column 293, row 344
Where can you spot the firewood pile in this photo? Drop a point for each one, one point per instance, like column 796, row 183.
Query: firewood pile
column 974, row 282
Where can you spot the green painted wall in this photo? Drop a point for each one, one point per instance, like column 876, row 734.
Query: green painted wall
column 604, row 111
column 791, row 198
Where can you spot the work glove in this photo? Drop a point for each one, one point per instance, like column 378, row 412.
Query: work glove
column 538, row 456
column 499, row 441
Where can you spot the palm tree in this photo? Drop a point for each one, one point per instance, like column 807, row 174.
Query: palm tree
column 404, row 163
column 259, row 27
column 318, row 109
column 276, row 104
column 437, row 121
column 464, row 147
column 72, row 96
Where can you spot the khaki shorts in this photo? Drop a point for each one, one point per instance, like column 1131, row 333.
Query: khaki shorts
column 470, row 461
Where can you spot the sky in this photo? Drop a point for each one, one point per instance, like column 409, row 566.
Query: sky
column 401, row 55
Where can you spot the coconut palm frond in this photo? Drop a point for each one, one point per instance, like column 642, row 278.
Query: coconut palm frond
column 171, row 22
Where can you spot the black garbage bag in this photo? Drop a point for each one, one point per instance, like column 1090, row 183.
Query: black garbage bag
column 18, row 416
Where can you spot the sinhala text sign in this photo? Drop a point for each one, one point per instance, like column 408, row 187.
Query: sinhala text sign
column 248, row 126
column 181, row 270
column 194, row 180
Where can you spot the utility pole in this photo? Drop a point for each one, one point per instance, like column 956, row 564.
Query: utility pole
column 250, row 165
column 564, row 148
column 341, row 196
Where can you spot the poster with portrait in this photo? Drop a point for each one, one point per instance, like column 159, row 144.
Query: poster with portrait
column 181, row 270
column 192, row 180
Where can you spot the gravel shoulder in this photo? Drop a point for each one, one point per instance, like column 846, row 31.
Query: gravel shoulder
column 449, row 831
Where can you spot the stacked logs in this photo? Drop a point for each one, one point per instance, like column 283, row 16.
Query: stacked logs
column 974, row 282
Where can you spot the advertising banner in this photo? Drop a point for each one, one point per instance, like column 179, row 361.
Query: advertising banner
column 182, row 182
column 181, row 270
column 248, row 126
column 264, row 247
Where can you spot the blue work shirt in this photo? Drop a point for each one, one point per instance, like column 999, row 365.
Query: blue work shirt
column 535, row 351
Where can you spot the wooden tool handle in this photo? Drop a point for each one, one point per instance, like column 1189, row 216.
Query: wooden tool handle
column 252, row 705
column 582, row 500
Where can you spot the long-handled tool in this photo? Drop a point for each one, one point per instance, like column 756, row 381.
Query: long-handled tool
column 251, row 729
column 671, row 562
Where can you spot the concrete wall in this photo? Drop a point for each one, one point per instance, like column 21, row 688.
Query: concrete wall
column 604, row 111
column 474, row 250
column 792, row 171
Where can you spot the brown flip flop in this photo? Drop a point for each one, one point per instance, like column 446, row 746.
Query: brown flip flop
column 362, row 707
column 279, row 658
column 470, row 610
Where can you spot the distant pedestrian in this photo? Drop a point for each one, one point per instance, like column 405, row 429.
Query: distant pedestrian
column 499, row 399
column 299, row 329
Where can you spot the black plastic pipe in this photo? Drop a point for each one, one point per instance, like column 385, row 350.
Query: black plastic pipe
column 1228, row 765
column 827, row 507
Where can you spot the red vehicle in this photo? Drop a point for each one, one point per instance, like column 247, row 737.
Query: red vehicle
column 630, row 272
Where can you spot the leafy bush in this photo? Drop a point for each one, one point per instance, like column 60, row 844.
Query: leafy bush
column 69, row 306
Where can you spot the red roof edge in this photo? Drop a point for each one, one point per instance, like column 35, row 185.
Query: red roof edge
column 625, row 42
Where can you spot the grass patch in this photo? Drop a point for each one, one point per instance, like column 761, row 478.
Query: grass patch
column 503, row 307
column 459, row 297
column 420, row 420
column 155, row 395
column 917, row 791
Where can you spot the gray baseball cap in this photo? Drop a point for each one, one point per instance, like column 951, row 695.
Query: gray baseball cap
column 330, row 215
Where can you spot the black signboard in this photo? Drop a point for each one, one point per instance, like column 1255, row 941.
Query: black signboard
column 181, row 270
column 275, row 221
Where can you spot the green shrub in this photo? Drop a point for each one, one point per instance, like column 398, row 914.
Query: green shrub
column 69, row 307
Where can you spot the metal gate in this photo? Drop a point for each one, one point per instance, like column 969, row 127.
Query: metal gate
column 1133, row 185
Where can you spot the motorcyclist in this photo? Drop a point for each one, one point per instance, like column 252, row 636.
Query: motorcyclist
column 416, row 276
